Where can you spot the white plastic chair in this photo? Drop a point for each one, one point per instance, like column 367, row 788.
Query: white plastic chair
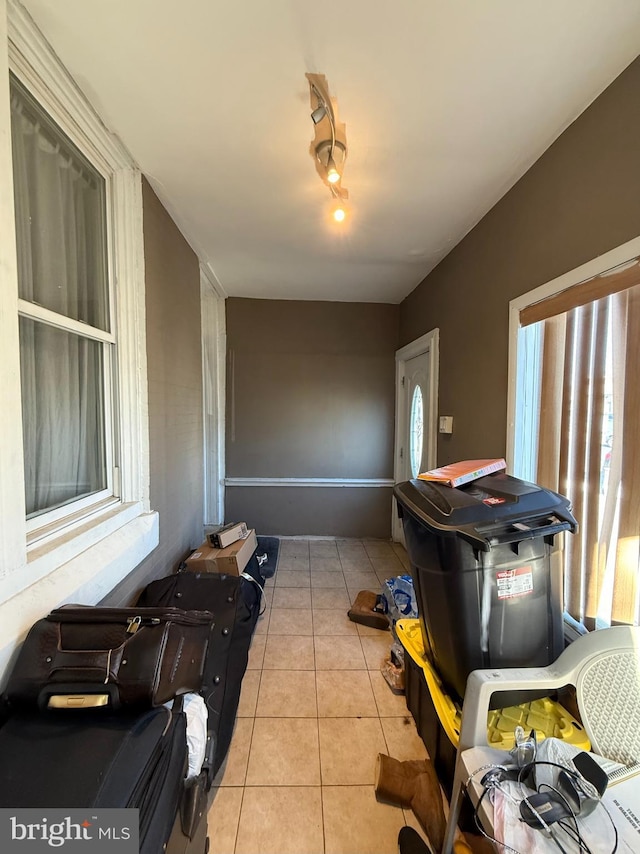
column 604, row 667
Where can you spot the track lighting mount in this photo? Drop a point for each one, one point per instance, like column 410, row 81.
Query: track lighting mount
column 329, row 146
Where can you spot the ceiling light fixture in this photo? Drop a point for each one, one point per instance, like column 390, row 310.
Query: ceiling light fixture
column 332, row 156
column 318, row 114
column 338, row 207
column 329, row 146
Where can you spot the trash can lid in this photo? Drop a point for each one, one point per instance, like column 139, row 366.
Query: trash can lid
column 491, row 510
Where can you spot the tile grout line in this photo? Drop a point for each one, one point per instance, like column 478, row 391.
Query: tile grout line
column 315, row 675
column 244, row 785
column 253, row 724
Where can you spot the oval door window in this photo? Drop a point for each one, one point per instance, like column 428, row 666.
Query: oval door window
column 415, row 432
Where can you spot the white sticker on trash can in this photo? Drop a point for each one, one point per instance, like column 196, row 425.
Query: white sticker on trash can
column 514, row 582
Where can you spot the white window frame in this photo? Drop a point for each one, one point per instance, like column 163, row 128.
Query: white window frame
column 83, row 560
column 527, row 402
column 47, row 525
column 214, row 354
column 614, row 258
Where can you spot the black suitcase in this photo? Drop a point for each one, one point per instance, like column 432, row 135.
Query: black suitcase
column 83, row 759
column 180, row 843
column 235, row 603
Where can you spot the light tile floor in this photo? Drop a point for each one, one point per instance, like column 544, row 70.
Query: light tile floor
column 314, row 713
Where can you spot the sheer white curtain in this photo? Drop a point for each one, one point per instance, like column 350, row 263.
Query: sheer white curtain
column 60, row 225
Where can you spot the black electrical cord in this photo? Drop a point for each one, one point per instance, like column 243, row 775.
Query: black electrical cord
column 476, row 818
column 574, row 834
column 615, row 829
column 548, row 827
column 490, row 767
column 526, row 769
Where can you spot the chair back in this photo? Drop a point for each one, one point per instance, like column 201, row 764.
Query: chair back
column 607, row 683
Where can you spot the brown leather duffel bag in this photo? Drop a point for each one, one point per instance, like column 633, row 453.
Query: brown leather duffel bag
column 82, row 656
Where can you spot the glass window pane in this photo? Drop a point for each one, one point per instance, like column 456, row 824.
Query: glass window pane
column 62, row 416
column 60, row 217
column 416, row 431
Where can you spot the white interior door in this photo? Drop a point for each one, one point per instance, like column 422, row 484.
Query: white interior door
column 416, row 412
column 416, row 397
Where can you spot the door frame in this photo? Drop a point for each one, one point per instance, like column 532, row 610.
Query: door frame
column 428, row 343
column 214, row 347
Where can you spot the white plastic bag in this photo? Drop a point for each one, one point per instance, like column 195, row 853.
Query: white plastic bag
column 596, row 829
column 196, row 712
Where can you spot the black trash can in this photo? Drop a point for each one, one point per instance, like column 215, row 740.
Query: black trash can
column 488, row 593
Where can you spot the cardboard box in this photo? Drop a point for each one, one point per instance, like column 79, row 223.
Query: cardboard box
column 227, row 535
column 231, row 560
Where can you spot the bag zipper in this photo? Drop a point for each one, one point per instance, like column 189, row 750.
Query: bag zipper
column 134, row 623
column 133, row 618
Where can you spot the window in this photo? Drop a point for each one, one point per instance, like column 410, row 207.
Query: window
column 577, row 407
column 66, row 339
column 415, row 431
column 74, row 484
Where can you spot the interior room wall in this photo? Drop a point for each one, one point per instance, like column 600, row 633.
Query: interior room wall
column 310, row 394
column 579, row 200
column 174, row 366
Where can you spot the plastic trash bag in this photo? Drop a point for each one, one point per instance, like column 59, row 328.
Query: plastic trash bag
column 595, row 829
column 399, row 599
column 196, row 711
column 393, row 668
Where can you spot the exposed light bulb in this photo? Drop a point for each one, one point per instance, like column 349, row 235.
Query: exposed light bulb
column 331, row 155
column 339, row 214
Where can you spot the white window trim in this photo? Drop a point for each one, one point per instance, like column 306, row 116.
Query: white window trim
column 528, row 382
column 214, row 355
column 614, row 258
column 86, row 560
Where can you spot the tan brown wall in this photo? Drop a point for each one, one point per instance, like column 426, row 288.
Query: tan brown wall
column 310, row 393
column 579, row 200
column 174, row 367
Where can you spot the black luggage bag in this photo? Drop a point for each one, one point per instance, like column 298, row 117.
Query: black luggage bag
column 235, row 603
column 94, row 759
column 79, row 731
column 138, row 657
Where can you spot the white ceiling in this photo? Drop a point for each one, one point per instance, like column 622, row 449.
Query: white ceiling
column 446, row 104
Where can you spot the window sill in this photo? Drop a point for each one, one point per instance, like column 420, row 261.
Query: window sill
column 48, row 557
column 83, row 568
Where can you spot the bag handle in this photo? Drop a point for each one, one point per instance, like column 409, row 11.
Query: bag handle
column 263, row 600
column 79, row 695
column 107, row 661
